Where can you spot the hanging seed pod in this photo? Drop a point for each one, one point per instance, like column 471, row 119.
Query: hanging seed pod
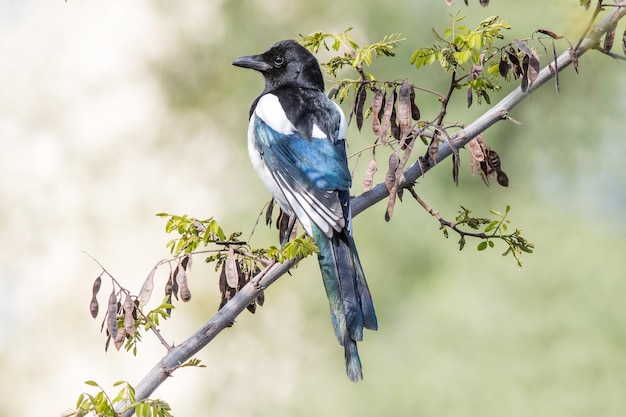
column 112, row 315
column 93, row 305
column 404, row 109
column 129, row 321
column 415, row 111
column 359, row 103
column 377, row 105
column 368, row 178
column 146, row 289
column 386, row 120
column 181, row 280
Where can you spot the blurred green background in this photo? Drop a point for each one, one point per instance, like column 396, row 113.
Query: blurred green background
column 113, row 111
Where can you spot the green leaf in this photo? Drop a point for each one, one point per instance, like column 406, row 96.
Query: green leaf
column 491, row 226
column 463, row 56
column 494, row 69
column 482, row 245
column 81, row 397
column 92, row 383
column 143, row 410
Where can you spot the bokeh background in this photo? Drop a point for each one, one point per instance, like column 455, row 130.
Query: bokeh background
column 112, row 111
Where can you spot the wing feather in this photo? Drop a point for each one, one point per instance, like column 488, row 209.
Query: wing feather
column 306, row 174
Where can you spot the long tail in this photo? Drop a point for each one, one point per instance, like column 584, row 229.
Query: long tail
column 351, row 305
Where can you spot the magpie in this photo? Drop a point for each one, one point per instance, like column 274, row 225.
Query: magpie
column 296, row 142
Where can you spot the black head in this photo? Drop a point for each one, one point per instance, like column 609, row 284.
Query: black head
column 285, row 63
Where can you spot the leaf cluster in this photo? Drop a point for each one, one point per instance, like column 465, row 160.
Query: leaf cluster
column 354, row 55
column 101, row 405
column 492, row 229
column 193, row 233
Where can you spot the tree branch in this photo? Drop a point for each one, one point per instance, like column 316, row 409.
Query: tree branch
column 226, row 316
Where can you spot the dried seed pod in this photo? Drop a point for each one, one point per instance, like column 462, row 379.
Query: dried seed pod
column 93, row 304
column 118, row 340
column 525, row 65
column 503, row 67
column 415, row 111
column 377, row 105
column 368, row 178
column 112, row 315
column 359, row 103
column 231, row 269
column 549, row 33
column 515, row 63
column 609, row 38
column 146, row 289
column 456, row 162
column 129, row 321
column 390, row 177
column 181, row 280
column 404, row 109
column 94, row 307
column 268, row 212
column 96, row 286
column 533, row 68
column 186, row 262
column 387, row 116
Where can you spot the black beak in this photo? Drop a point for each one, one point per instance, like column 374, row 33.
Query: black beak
column 255, row 62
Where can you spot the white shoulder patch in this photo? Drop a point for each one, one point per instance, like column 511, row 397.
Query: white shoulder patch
column 271, row 112
column 343, row 124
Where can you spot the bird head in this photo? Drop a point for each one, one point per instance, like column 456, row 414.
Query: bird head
column 285, row 63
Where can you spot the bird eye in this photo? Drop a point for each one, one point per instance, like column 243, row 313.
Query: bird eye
column 279, row 61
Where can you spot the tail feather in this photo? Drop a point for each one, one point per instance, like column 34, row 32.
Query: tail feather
column 353, row 361
column 367, row 305
column 351, row 305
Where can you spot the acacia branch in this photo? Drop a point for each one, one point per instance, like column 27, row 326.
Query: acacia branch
column 225, row 317
column 495, row 114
